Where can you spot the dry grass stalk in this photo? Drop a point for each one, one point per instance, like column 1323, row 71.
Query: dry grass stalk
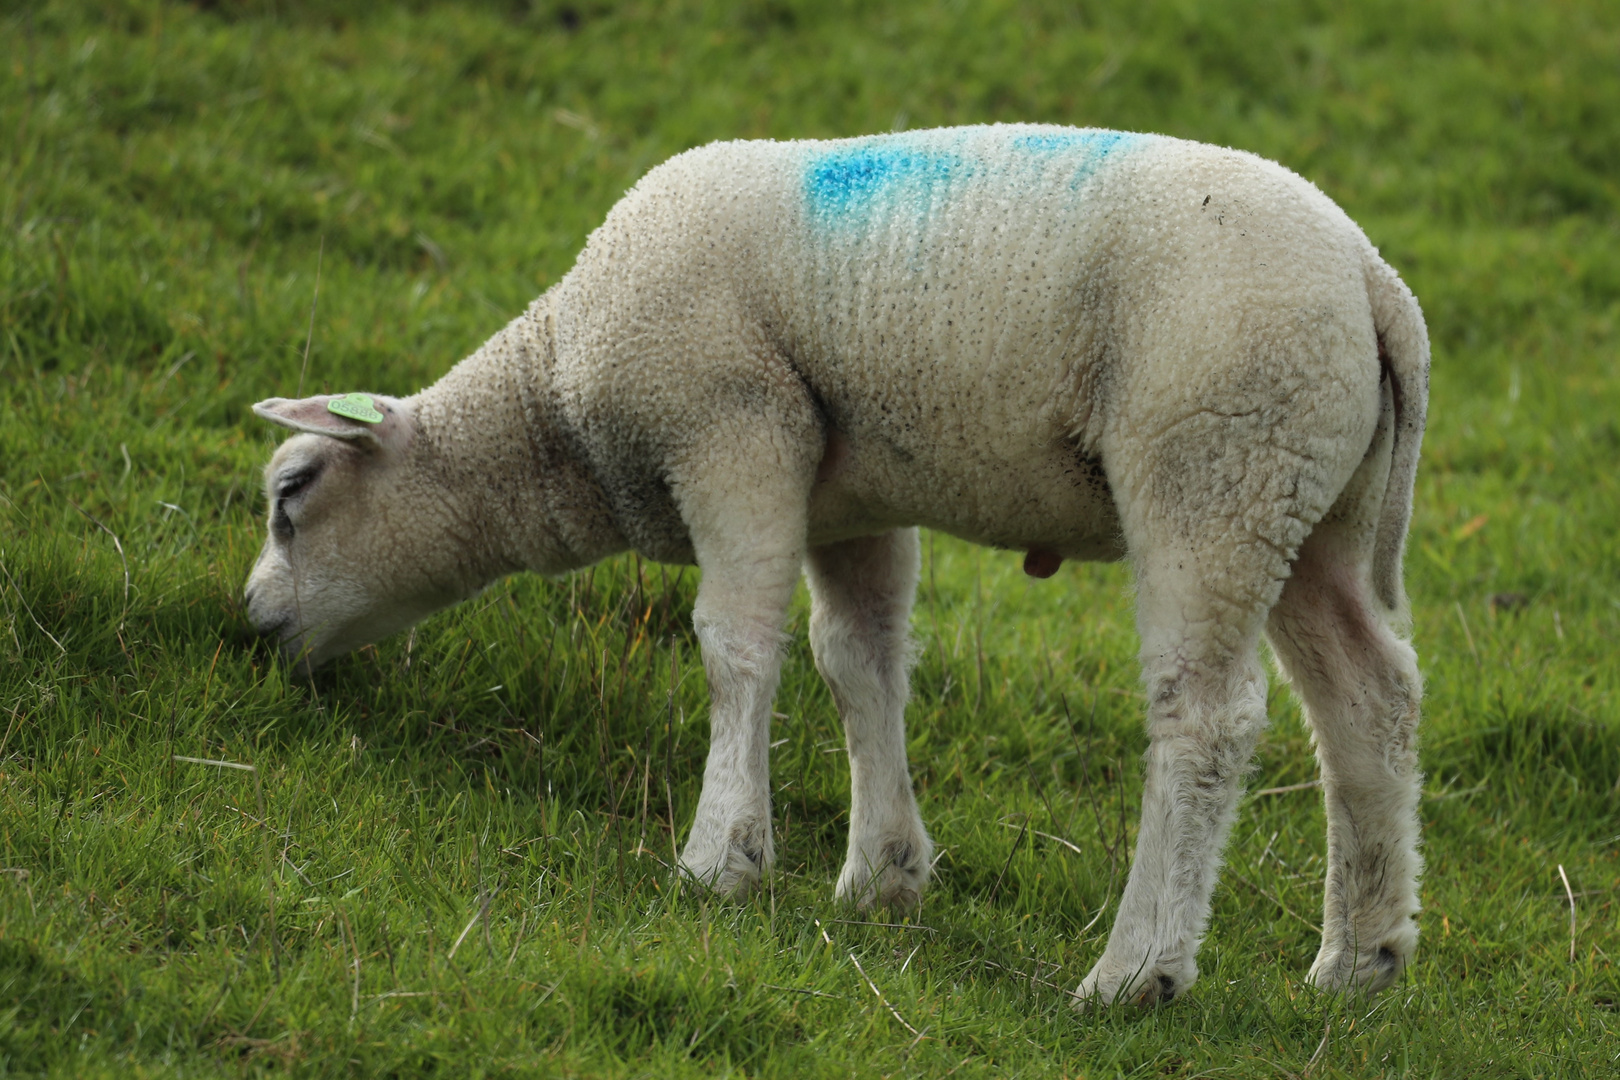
column 1571, row 894
column 1286, row 788
column 320, row 256
column 465, row 930
column 30, row 610
column 882, row 1000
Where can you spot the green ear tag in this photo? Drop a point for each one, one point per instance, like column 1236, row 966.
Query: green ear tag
column 355, row 407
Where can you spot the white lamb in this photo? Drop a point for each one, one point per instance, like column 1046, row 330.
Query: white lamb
column 775, row 358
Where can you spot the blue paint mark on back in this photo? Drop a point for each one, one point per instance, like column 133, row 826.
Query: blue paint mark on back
column 860, row 179
column 1091, row 141
column 1090, row 148
column 917, row 173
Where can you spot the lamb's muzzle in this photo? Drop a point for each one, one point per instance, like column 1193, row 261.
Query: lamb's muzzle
column 777, row 359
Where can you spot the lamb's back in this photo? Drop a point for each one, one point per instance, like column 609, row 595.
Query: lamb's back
column 955, row 301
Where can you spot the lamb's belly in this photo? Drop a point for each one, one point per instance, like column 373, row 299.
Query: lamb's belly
column 1058, row 502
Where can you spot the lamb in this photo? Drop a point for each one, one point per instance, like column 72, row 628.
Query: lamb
column 784, row 357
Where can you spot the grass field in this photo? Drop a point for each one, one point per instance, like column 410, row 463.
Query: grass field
column 451, row 854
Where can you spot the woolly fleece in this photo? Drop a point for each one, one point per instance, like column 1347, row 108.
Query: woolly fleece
column 780, row 358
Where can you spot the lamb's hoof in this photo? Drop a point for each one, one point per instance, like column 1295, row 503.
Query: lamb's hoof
column 732, row 868
column 1341, row 969
column 894, row 878
column 1142, row 985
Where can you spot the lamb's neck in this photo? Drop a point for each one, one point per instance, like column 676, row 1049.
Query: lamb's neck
column 493, row 433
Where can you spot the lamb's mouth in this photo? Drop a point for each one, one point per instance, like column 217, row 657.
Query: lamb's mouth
column 291, row 642
column 269, row 631
column 308, row 649
column 265, row 639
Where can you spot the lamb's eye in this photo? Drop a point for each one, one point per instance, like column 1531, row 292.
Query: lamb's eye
column 288, row 488
column 298, row 481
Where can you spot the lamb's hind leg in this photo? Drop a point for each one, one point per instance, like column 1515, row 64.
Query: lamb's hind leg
column 1206, row 708
column 1361, row 687
column 861, row 593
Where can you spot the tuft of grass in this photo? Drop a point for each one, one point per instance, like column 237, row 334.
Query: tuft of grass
column 452, row 851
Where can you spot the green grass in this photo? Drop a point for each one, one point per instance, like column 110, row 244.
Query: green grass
column 452, row 856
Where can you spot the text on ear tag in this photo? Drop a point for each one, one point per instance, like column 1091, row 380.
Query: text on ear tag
column 355, row 407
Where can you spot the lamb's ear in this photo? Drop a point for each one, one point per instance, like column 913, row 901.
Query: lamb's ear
column 371, row 420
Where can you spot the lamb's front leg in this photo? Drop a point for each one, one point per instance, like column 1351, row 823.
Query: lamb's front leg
column 750, row 547
column 861, row 593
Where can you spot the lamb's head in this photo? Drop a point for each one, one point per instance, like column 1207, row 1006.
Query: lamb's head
column 359, row 543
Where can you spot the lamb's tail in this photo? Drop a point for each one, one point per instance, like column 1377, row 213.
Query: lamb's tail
column 1403, row 353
